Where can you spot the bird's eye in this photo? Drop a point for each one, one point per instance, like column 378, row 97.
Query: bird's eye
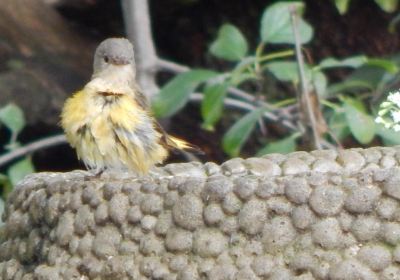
column 106, row 59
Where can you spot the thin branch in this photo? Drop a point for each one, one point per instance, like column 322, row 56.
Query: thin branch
column 242, row 94
column 303, row 80
column 232, row 103
column 177, row 68
column 138, row 28
column 197, row 97
column 32, row 147
column 166, row 65
column 137, row 22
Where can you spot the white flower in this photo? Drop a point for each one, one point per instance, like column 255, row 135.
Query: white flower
column 382, row 112
column 386, row 104
column 379, row 120
column 395, row 98
column 395, row 116
column 396, row 127
column 389, row 112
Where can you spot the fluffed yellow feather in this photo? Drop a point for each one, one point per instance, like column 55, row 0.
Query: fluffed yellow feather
column 114, row 136
column 108, row 121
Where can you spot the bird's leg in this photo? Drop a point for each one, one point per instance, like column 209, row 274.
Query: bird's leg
column 96, row 173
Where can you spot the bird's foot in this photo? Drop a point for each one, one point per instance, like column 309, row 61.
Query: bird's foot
column 95, row 174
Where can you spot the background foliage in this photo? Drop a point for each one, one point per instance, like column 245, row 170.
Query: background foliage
column 346, row 105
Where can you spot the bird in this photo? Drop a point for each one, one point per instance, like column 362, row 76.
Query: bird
column 109, row 121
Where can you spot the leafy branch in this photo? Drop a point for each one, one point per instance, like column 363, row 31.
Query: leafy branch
column 281, row 24
column 12, row 117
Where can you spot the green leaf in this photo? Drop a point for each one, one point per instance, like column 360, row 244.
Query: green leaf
column 342, row 6
column 320, row 83
column 230, row 43
column 349, row 86
column 5, row 185
column 339, row 126
column 364, row 78
column 276, row 26
column 12, row 117
column 19, row 170
column 388, row 6
column 357, row 61
column 385, row 64
column 213, row 104
column 283, row 146
column 287, row 71
column 237, row 135
column 389, row 136
column 362, row 125
column 244, row 77
column 357, row 103
column 241, row 69
column 353, row 62
column 175, row 94
column 284, row 70
column 370, row 75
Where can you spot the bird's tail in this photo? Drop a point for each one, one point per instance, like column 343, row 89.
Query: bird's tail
column 179, row 144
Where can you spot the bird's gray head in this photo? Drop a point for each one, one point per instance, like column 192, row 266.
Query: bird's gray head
column 113, row 51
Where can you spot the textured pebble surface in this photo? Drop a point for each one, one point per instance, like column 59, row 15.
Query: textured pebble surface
column 318, row 215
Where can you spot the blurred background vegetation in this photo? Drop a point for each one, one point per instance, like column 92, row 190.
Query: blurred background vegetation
column 226, row 74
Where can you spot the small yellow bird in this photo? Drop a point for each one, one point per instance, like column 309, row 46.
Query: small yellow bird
column 108, row 122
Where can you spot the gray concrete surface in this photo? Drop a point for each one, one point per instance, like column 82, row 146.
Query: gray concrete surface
column 319, row 215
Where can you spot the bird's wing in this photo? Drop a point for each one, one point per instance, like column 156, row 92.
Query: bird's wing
column 172, row 143
column 167, row 141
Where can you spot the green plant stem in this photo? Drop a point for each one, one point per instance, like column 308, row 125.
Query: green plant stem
column 273, row 116
column 276, row 55
column 285, row 102
column 259, row 51
column 330, row 105
column 234, row 91
column 260, row 59
column 13, row 139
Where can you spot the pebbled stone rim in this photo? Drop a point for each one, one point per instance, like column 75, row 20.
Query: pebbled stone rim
column 318, row 215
